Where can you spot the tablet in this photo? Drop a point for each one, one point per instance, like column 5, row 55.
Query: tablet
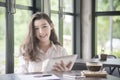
column 49, row 63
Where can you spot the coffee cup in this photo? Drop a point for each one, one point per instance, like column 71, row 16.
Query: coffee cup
column 94, row 66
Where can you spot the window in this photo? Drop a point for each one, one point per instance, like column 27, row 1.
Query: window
column 107, row 26
column 2, row 40
column 62, row 16
column 25, row 3
column 12, row 31
column 20, row 27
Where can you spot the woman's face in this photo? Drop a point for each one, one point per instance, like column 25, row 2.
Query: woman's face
column 42, row 30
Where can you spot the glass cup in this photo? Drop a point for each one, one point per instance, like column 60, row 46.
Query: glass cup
column 94, row 66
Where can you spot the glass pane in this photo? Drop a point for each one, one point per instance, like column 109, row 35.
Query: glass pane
column 108, row 34
column 54, row 18
column 54, row 5
column 2, row 40
column 24, row 2
column 2, row 0
column 108, row 5
column 20, row 27
column 68, row 5
column 67, row 33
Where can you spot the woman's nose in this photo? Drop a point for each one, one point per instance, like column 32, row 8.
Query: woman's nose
column 40, row 30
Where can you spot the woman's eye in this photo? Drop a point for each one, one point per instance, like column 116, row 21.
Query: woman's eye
column 36, row 28
column 44, row 26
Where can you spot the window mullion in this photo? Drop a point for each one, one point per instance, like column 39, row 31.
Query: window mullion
column 61, row 21
column 9, row 42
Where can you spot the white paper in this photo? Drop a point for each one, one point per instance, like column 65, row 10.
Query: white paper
column 48, row 64
column 33, row 77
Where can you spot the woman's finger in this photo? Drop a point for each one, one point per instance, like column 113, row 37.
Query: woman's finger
column 59, row 67
column 63, row 65
column 69, row 65
column 56, row 68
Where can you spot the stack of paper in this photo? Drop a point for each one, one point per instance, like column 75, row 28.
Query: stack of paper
column 72, row 76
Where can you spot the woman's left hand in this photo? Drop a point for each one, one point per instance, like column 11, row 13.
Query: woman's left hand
column 62, row 66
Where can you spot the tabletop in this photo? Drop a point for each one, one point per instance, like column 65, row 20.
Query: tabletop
column 31, row 76
column 108, row 62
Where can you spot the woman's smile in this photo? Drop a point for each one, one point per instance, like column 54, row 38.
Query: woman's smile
column 43, row 36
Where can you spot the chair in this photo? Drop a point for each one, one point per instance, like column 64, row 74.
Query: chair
column 108, row 56
column 111, row 56
column 110, row 68
column 119, row 70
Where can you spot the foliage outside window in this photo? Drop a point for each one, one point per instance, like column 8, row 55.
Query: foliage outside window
column 67, row 21
column 107, row 27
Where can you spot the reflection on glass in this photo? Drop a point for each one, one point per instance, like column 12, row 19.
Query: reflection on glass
column 68, row 5
column 2, row 40
column 24, row 2
column 54, row 4
column 67, row 33
column 21, row 20
column 54, row 18
column 107, row 5
column 108, row 34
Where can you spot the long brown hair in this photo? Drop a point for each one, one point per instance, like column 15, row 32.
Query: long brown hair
column 29, row 45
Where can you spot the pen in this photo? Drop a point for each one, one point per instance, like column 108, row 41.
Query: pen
column 45, row 75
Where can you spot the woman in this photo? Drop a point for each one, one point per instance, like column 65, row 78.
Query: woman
column 40, row 44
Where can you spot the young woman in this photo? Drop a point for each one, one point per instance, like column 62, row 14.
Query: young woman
column 40, row 44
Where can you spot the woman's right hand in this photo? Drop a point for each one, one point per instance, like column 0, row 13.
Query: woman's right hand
column 62, row 66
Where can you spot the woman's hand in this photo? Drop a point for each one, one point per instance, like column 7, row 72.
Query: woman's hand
column 62, row 66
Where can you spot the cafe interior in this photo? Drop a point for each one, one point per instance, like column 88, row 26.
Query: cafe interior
column 87, row 28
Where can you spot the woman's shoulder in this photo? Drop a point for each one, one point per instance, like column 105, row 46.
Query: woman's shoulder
column 60, row 49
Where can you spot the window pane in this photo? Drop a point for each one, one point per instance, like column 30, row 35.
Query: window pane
column 106, row 5
column 54, row 4
column 20, row 27
column 2, row 0
column 24, row 2
column 108, row 34
column 2, row 40
column 67, row 33
column 68, row 5
column 54, row 18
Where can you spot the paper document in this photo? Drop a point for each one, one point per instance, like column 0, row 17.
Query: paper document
column 49, row 63
column 38, row 77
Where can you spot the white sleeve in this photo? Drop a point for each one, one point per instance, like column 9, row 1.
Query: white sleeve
column 22, row 66
column 64, row 52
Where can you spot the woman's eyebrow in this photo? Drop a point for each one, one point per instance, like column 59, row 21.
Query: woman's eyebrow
column 44, row 24
column 40, row 25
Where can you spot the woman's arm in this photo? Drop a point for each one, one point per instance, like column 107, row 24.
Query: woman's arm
column 22, row 65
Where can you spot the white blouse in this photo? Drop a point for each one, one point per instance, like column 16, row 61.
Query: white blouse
column 32, row 66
